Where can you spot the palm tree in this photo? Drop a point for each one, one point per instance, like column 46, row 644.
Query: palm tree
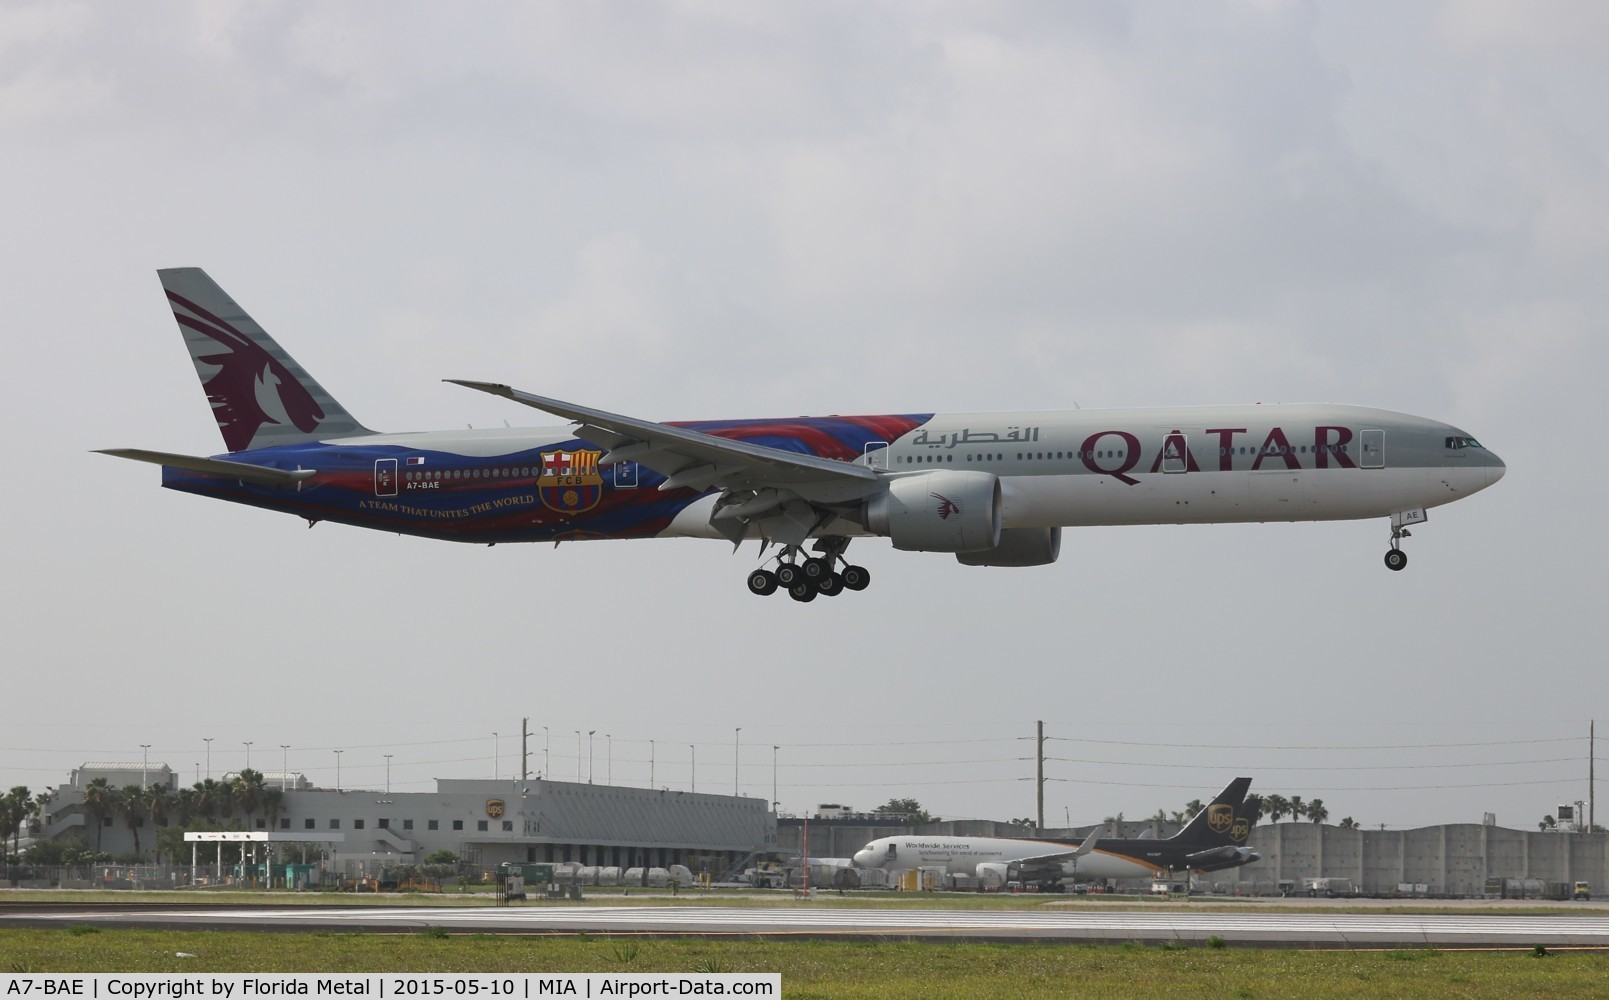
column 5, row 823
column 1298, row 807
column 100, row 798
column 185, row 805
column 156, row 802
column 274, row 804
column 1277, row 805
column 1316, row 811
column 19, row 806
column 131, row 806
column 1348, row 823
column 1191, row 808
column 1116, row 823
column 249, row 792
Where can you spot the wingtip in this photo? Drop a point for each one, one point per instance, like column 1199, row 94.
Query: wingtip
column 496, row 388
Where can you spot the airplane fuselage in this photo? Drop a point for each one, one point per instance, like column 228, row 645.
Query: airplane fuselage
column 1055, row 469
column 1109, row 858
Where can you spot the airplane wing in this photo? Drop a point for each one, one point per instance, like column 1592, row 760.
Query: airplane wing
column 259, row 474
column 1056, row 857
column 784, row 494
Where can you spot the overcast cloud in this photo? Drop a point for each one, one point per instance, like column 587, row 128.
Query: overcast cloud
column 712, row 209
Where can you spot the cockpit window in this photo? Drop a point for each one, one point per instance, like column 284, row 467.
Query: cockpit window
column 1460, row 443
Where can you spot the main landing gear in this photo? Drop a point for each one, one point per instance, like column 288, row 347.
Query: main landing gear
column 1396, row 559
column 806, row 578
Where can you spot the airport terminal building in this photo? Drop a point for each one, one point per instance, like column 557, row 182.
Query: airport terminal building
column 485, row 822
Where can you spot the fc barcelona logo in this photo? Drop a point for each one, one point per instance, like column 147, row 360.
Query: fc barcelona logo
column 494, row 808
column 570, row 483
column 1241, row 830
column 1220, row 818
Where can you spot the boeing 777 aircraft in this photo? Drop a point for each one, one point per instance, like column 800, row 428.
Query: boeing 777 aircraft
column 993, row 489
column 1215, row 838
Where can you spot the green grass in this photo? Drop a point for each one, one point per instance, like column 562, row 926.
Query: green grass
column 853, row 969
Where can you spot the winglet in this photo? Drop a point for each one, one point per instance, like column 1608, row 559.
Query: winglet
column 1088, row 844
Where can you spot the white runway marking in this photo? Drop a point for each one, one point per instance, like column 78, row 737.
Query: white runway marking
column 1368, row 929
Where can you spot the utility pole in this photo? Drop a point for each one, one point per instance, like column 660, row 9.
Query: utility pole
column 736, row 748
column 285, row 763
column 775, row 805
column 589, row 755
column 547, row 744
column 525, row 770
column 208, row 741
column 387, row 775
column 145, row 764
column 692, row 749
column 1040, row 781
column 1592, row 781
column 650, row 763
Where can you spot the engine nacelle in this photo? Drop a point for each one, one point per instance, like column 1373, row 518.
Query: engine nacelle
column 1018, row 547
column 939, row 512
column 993, row 874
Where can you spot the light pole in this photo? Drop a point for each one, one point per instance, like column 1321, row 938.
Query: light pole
column 776, row 805
column 578, row 755
column 248, row 752
column 387, row 775
column 497, row 748
column 737, row 746
column 208, row 741
column 546, row 744
column 338, row 770
column 650, row 763
column 284, row 763
column 589, row 755
column 692, row 748
column 145, row 764
column 609, row 755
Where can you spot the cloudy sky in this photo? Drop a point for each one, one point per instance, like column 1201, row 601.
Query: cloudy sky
column 712, row 209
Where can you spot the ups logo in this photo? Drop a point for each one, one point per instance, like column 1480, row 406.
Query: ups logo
column 1220, row 818
column 1241, row 830
column 494, row 808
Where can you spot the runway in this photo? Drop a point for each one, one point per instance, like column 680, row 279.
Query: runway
column 1262, row 929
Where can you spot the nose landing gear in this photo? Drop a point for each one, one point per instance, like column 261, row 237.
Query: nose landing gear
column 1396, row 559
column 806, row 579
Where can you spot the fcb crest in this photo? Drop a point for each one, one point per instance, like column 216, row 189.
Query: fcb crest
column 1220, row 818
column 494, row 808
column 570, row 483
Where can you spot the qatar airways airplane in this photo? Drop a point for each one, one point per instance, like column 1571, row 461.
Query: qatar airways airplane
column 993, row 489
column 1214, row 839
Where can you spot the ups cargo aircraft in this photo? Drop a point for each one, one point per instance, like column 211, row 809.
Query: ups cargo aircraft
column 1215, row 838
column 993, row 489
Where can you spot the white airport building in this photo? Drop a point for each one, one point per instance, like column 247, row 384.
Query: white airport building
column 485, row 822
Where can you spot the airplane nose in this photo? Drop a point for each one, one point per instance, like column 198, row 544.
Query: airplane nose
column 1494, row 468
column 863, row 858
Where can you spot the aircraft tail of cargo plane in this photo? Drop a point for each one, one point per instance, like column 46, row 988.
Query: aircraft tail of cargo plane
column 992, row 489
column 1214, row 839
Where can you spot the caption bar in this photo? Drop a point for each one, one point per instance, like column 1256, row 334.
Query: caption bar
column 377, row 986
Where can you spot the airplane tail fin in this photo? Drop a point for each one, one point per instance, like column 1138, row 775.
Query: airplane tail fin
column 1216, row 823
column 260, row 396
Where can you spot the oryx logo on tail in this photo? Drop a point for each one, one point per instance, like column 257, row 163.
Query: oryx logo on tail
column 260, row 396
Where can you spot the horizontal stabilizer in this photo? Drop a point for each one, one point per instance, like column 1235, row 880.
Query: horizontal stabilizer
column 214, row 466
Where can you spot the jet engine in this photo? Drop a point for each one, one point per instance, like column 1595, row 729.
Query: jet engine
column 992, row 874
column 1018, row 547
column 949, row 511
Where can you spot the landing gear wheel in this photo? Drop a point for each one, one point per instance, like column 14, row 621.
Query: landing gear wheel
column 816, row 569
column 762, row 582
column 802, row 592
column 856, row 577
column 830, row 585
column 788, row 574
column 1396, row 559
